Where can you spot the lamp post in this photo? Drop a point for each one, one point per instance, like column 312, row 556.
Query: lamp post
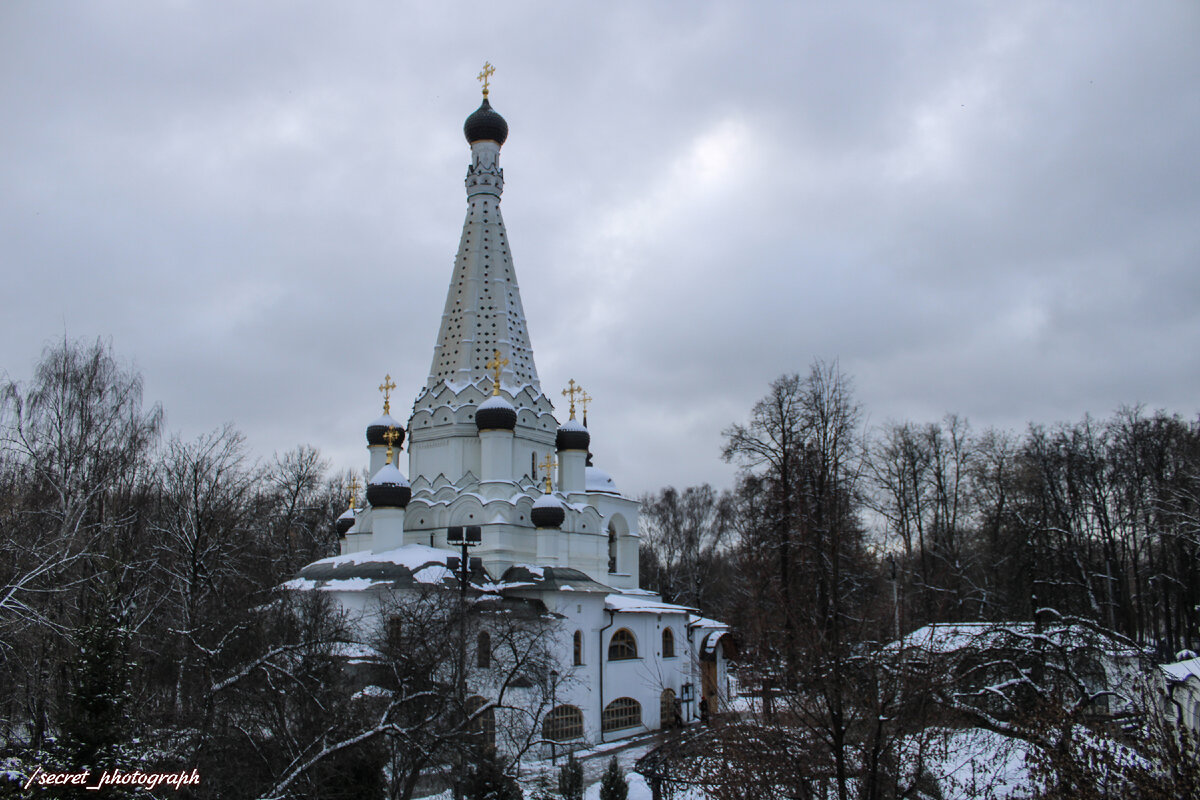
column 466, row 537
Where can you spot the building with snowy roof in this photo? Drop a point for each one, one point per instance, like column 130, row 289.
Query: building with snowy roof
column 1181, row 681
column 991, row 665
column 490, row 463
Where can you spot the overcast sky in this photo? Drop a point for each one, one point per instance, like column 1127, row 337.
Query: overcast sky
column 985, row 208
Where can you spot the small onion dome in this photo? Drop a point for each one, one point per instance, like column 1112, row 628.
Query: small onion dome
column 572, row 436
column 389, row 488
column 495, row 414
column 485, row 123
column 379, row 427
column 345, row 522
column 547, row 512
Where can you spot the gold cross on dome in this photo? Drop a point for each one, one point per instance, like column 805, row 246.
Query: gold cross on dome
column 390, row 437
column 488, row 71
column 549, row 464
column 353, row 490
column 570, row 393
column 495, row 365
column 386, row 387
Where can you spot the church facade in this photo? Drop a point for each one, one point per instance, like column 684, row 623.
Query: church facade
column 491, row 463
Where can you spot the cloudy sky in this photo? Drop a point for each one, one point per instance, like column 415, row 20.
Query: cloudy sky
column 985, row 208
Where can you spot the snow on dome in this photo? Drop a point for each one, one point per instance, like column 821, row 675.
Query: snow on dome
column 388, row 475
column 597, row 480
column 345, row 522
column 547, row 512
column 377, row 429
column 389, row 488
column 495, row 401
column 495, row 413
column 572, row 435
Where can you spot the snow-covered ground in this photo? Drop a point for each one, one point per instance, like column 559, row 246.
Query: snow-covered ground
column 975, row 764
column 968, row 764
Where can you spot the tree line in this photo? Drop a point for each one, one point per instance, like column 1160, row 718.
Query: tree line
column 1097, row 518
column 139, row 626
column 839, row 539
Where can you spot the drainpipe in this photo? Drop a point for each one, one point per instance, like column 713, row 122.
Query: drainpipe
column 600, row 658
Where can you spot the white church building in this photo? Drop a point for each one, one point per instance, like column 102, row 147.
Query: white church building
column 489, row 459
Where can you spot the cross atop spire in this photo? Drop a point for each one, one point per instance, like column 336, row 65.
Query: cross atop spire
column 495, row 365
column 386, row 387
column 549, row 464
column 570, row 393
column 354, row 486
column 488, row 71
column 583, row 401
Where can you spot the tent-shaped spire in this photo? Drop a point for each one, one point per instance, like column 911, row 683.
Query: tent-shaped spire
column 483, row 310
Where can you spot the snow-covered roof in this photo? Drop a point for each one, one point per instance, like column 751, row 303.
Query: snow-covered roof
column 941, row 638
column 548, row 579
column 1182, row 670
column 695, row 621
column 640, row 604
column 358, row 572
column 597, row 480
column 355, row 650
column 412, row 556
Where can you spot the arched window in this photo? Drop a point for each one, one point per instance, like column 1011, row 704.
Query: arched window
column 668, row 641
column 578, row 648
column 563, row 723
column 612, row 547
column 483, row 650
column 666, row 709
column 622, row 646
column 624, row 712
column 481, row 728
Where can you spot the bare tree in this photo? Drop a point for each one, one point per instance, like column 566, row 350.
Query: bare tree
column 75, row 447
column 687, row 533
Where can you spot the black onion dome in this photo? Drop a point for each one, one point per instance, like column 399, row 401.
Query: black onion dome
column 345, row 522
column 572, row 436
column 495, row 414
column 485, row 123
column 388, row 489
column 377, row 429
column 547, row 512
